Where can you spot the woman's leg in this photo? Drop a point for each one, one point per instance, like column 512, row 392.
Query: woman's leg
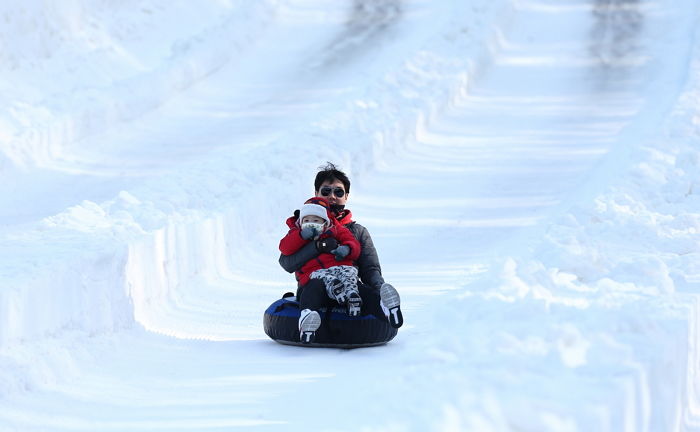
column 313, row 295
column 371, row 301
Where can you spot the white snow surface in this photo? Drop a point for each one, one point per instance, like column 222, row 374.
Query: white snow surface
column 529, row 171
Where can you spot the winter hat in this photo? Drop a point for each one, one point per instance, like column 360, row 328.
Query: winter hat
column 315, row 207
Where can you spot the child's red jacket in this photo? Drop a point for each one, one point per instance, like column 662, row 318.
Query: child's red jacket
column 292, row 242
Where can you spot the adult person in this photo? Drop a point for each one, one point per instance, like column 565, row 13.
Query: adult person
column 378, row 297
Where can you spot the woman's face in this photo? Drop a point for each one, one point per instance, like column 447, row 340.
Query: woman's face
column 330, row 188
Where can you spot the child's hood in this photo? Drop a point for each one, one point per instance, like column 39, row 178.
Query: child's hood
column 314, row 205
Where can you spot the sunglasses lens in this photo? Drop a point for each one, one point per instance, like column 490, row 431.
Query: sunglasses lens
column 326, row 191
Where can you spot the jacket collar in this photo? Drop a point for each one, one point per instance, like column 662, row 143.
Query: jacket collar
column 344, row 217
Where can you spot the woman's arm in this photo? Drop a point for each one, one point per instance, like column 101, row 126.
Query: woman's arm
column 368, row 263
column 296, row 260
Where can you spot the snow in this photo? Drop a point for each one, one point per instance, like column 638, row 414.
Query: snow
column 528, row 170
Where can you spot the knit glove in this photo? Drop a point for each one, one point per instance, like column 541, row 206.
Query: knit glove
column 308, row 233
column 326, row 245
column 341, row 252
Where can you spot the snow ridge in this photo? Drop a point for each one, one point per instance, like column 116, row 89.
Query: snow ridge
column 615, row 280
column 142, row 302
column 44, row 117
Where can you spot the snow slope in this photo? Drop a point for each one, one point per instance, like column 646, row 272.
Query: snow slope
column 528, row 170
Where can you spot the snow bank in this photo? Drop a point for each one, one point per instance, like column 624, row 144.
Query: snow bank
column 100, row 267
column 379, row 121
column 102, row 264
column 73, row 69
column 608, row 294
column 611, row 282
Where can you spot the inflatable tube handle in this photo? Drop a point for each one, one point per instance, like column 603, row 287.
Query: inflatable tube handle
column 285, row 304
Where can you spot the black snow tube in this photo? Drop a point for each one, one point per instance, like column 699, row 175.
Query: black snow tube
column 338, row 330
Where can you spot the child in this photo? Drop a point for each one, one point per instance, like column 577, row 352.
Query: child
column 332, row 270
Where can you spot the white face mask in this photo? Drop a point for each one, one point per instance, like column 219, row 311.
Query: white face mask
column 317, row 226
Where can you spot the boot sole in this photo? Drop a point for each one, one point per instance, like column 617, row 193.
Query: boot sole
column 392, row 301
column 354, row 304
column 308, row 327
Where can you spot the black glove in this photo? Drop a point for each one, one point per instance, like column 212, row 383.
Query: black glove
column 341, row 252
column 326, row 245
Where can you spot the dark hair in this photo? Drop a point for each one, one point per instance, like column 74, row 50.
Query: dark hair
column 329, row 172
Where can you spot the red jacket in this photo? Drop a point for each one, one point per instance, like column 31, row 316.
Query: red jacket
column 344, row 217
column 292, row 242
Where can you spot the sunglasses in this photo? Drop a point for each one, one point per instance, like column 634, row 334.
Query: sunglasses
column 337, row 191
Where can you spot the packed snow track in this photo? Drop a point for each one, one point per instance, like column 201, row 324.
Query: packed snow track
column 528, row 170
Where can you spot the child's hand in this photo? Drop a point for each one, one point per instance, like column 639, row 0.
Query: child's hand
column 309, row 233
column 341, row 252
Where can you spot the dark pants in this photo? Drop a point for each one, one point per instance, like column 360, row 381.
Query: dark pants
column 313, row 296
